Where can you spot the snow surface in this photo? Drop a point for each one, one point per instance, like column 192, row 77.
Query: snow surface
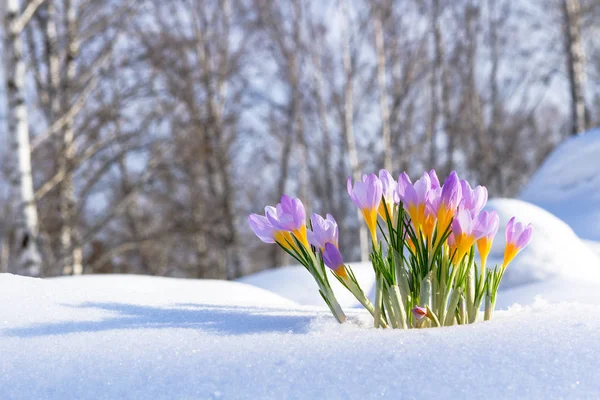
column 132, row 337
column 568, row 184
column 555, row 251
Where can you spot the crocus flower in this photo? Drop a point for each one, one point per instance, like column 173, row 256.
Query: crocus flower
column 333, row 259
column 390, row 195
column 446, row 204
column 324, row 230
column 403, row 182
column 289, row 216
column 451, row 243
column 415, row 200
column 267, row 232
column 262, row 228
column 518, row 237
column 473, row 199
column 464, row 230
column 435, row 181
column 487, row 227
column 431, row 203
column 419, row 313
column 366, row 195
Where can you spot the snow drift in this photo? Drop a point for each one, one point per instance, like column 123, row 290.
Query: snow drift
column 568, row 184
column 160, row 338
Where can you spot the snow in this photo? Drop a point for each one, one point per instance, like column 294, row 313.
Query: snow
column 132, row 337
column 296, row 284
column 568, row 184
column 555, row 251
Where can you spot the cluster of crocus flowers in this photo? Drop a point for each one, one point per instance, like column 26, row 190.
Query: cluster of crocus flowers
column 425, row 240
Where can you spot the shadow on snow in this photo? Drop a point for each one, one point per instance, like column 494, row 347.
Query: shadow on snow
column 221, row 320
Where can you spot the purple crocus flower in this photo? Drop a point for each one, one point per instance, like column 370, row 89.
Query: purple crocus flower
column 268, row 232
column 289, row 217
column 473, row 199
column 486, row 229
column 403, row 182
column 419, row 312
column 518, row 237
column 324, row 230
column 289, row 214
column 366, row 195
column 435, row 181
column 445, row 201
column 262, row 228
column 463, row 228
column 333, row 259
column 487, row 224
column 416, row 198
column 389, row 193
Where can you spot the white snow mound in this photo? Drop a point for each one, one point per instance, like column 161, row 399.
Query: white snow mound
column 295, row 283
column 568, row 184
column 555, row 251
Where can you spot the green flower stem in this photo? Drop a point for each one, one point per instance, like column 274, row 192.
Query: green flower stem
column 470, row 301
column 425, row 298
column 462, row 310
column 398, row 305
column 377, row 316
column 401, row 277
column 433, row 317
column 333, row 304
column 489, row 308
column 449, row 316
column 362, row 299
column 391, row 312
column 392, row 292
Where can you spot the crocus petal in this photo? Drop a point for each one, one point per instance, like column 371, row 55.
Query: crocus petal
column 419, row 312
column 261, row 228
column 389, row 187
column 323, row 231
column 517, row 237
column 435, row 181
column 332, row 257
column 525, row 237
column 403, row 182
column 508, row 233
column 451, row 191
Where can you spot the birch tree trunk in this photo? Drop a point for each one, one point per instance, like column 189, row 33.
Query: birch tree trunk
column 71, row 254
column 348, row 125
column 575, row 56
column 383, row 94
column 28, row 257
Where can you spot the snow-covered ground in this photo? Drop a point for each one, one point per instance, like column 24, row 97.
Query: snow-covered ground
column 120, row 337
column 269, row 336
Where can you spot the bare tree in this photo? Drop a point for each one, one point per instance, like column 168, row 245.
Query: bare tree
column 575, row 57
column 27, row 255
column 348, row 126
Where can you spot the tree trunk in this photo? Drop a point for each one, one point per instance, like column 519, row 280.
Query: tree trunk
column 348, row 125
column 383, row 94
column 575, row 56
column 326, row 152
column 29, row 258
column 71, row 253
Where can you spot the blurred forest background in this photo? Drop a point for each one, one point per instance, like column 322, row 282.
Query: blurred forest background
column 138, row 135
